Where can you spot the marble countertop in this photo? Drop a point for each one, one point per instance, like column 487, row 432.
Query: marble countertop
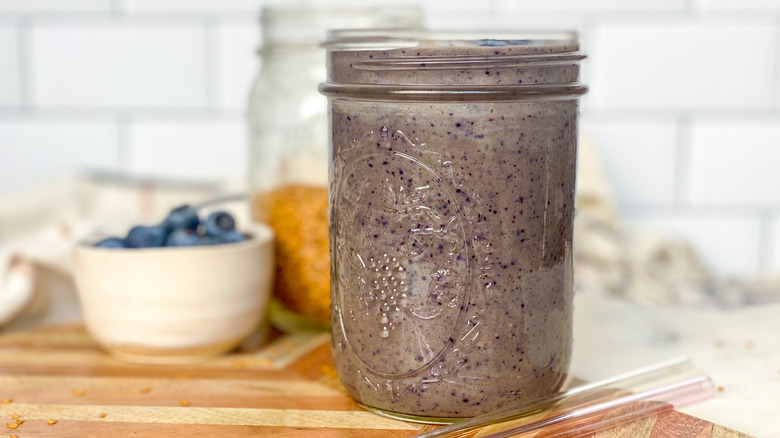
column 739, row 349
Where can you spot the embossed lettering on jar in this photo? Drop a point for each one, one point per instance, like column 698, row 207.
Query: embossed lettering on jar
column 451, row 193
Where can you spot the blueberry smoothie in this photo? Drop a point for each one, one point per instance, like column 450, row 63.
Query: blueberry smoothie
column 451, row 205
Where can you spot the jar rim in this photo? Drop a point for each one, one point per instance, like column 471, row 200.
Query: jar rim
column 453, row 65
column 397, row 38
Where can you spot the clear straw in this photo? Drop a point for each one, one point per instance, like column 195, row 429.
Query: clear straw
column 577, row 396
column 612, row 413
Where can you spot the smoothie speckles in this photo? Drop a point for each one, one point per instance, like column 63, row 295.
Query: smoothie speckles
column 503, row 213
column 473, row 200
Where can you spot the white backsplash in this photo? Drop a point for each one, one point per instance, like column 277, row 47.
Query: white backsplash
column 684, row 101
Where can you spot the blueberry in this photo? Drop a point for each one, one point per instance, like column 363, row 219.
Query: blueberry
column 207, row 241
column 146, row 237
column 219, row 223
column 230, row 237
column 184, row 217
column 490, row 43
column 501, row 43
column 182, row 237
column 111, row 242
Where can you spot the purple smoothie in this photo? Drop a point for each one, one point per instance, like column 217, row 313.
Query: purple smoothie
column 451, row 223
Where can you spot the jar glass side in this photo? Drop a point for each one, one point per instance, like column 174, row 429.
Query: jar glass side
column 288, row 156
column 451, row 233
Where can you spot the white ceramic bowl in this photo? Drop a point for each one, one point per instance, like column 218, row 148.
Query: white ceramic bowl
column 175, row 305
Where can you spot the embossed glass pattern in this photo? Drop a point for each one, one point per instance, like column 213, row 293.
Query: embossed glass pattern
column 451, row 221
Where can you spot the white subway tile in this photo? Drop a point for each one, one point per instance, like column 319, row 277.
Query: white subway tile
column 119, row 65
column 729, row 245
column 735, row 162
column 777, row 79
column 32, row 149
column 24, row 6
column 190, row 148
column 739, row 5
column 683, row 64
column 432, row 7
column 251, row 8
column 774, row 247
column 594, row 5
column 10, row 86
column 194, row 5
column 486, row 21
column 237, row 64
column 638, row 157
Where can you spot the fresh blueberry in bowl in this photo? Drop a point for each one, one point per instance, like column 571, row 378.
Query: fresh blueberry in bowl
column 183, row 227
column 208, row 241
column 218, row 223
column 182, row 237
column 231, row 237
column 220, row 227
column 183, row 217
column 146, row 237
column 111, row 242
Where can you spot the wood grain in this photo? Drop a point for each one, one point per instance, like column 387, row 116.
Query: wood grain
column 286, row 388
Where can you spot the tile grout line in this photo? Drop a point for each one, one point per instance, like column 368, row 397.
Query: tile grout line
column 611, row 114
column 90, row 113
column 767, row 242
column 682, row 164
column 670, row 112
column 211, row 55
column 721, row 210
column 26, row 70
column 124, row 123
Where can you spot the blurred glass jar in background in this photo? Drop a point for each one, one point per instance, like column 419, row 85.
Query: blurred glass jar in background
column 289, row 150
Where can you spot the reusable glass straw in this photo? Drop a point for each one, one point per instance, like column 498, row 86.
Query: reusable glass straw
column 593, row 418
column 576, row 396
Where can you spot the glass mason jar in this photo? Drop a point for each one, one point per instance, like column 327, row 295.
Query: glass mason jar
column 288, row 151
column 451, row 205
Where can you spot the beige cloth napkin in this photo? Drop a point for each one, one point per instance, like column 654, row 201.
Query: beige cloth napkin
column 644, row 265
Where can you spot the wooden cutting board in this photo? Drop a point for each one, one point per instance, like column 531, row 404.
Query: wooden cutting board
column 286, row 388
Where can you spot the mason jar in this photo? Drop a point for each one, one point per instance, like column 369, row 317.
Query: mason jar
column 452, row 172
column 288, row 151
